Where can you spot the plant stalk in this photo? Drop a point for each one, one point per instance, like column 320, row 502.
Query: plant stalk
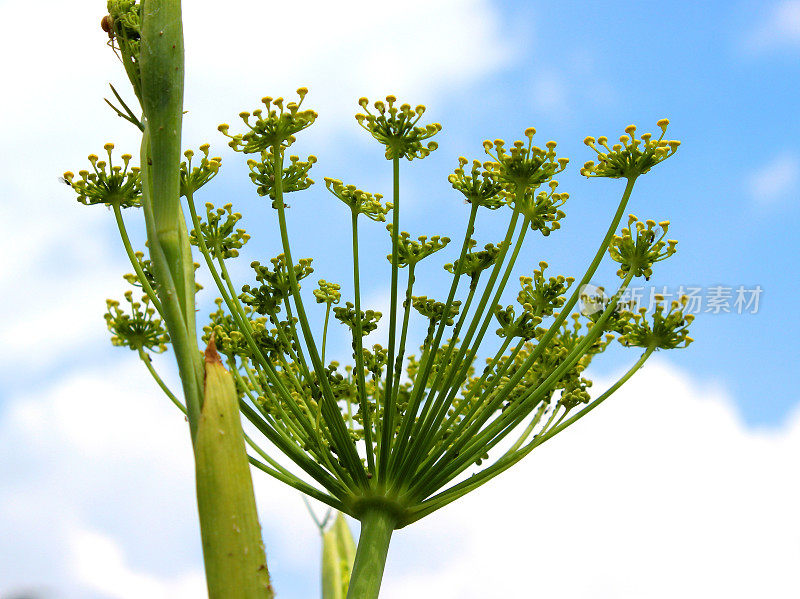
column 233, row 551
column 377, row 526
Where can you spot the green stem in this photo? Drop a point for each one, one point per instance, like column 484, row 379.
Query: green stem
column 388, row 406
column 358, row 356
column 565, row 310
column 325, row 330
column 243, row 323
column 274, row 469
column 184, row 344
column 475, row 442
column 148, row 363
column 543, row 343
column 453, row 385
column 161, row 59
column 504, row 463
column 161, row 95
column 377, row 526
column 398, row 363
column 528, row 429
column 425, row 366
column 331, row 412
column 453, row 419
column 137, row 266
column 435, row 409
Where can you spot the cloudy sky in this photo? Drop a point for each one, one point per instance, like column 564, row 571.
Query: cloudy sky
column 682, row 485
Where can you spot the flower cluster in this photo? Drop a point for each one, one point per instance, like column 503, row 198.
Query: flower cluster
column 277, row 278
column 108, row 184
column 328, row 293
column 293, row 178
column 638, row 253
column 480, row 186
column 274, row 128
column 347, row 315
column 475, row 263
column 219, row 232
column 396, row 128
column 524, row 167
column 138, row 329
column 542, row 209
column 631, row 157
column 147, row 268
column 193, row 177
column 389, row 432
column 524, row 327
column 669, row 330
column 435, row 311
column 360, row 202
column 409, row 252
column 227, row 336
column 542, row 296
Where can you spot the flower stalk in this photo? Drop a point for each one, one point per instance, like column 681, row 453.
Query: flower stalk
column 377, row 526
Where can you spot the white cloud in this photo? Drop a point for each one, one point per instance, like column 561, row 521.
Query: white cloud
column 88, row 456
column 99, row 563
column 422, row 51
column 775, row 180
column 779, row 27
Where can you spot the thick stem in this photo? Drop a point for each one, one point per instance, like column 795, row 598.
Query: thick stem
column 233, row 551
column 377, row 526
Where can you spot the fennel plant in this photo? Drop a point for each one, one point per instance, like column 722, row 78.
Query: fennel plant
column 391, row 437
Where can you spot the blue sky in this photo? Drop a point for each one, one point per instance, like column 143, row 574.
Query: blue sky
column 87, row 508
